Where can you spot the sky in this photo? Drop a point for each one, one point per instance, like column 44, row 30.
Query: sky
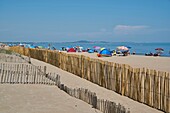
column 93, row 20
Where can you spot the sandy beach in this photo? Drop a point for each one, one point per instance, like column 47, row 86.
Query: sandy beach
column 136, row 61
column 54, row 99
column 39, row 99
column 102, row 93
column 56, row 56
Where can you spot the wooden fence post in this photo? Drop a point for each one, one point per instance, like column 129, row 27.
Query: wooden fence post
column 167, row 93
column 3, row 71
column 29, row 60
column 62, row 86
column 94, row 102
column 162, row 91
column 123, row 79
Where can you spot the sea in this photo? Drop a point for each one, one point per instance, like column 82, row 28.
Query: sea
column 138, row 48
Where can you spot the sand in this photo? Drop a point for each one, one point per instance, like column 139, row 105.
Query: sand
column 43, row 99
column 39, row 99
column 136, row 61
column 74, row 81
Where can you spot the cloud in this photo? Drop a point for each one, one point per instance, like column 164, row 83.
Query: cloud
column 127, row 29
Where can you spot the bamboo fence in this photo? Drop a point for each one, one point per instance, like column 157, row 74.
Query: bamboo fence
column 90, row 97
column 147, row 86
column 24, row 74
column 12, row 58
column 29, row 74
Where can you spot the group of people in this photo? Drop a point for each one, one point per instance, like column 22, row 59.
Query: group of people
column 2, row 45
column 152, row 54
column 124, row 53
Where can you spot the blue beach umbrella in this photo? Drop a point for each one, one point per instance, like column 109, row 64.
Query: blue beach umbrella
column 96, row 47
column 129, row 47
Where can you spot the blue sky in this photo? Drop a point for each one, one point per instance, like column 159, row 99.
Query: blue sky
column 94, row 20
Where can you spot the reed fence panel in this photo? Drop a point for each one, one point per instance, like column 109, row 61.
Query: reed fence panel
column 147, row 86
column 24, row 74
column 15, row 58
column 29, row 74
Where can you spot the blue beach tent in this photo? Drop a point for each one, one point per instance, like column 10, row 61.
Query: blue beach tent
column 30, row 46
column 105, row 52
column 90, row 51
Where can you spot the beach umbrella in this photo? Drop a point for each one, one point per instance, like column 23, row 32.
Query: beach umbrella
column 122, row 48
column 129, row 47
column 159, row 50
column 96, row 47
column 102, row 48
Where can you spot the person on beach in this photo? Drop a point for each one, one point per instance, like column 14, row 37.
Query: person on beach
column 54, row 48
column 49, row 46
column 114, row 52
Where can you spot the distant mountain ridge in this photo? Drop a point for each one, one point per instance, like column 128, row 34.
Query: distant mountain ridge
column 86, row 41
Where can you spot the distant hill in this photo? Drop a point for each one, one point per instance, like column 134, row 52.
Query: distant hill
column 86, row 41
column 82, row 41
